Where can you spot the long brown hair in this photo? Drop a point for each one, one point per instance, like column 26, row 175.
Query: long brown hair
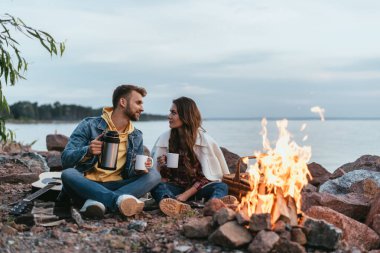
column 191, row 118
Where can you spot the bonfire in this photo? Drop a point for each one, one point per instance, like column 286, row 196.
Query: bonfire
column 277, row 178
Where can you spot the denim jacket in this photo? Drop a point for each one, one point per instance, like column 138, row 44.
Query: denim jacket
column 87, row 130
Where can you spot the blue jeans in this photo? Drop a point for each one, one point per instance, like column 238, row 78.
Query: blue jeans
column 168, row 190
column 79, row 188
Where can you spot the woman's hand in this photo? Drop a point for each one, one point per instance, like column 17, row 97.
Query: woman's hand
column 186, row 194
column 182, row 197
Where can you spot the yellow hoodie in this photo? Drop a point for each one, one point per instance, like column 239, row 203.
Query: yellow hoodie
column 100, row 175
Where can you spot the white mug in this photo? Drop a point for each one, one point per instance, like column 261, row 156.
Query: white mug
column 141, row 160
column 172, row 160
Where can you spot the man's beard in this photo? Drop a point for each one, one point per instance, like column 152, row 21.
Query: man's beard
column 132, row 116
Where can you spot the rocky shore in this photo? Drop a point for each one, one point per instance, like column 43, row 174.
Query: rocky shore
column 345, row 203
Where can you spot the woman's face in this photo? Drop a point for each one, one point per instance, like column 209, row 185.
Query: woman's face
column 174, row 121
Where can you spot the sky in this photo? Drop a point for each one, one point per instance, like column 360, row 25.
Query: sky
column 236, row 59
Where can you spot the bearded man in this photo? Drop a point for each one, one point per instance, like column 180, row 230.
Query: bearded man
column 98, row 190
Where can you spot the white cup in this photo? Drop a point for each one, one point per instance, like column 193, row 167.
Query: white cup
column 141, row 160
column 172, row 160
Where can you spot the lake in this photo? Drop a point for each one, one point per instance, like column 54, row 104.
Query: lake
column 333, row 142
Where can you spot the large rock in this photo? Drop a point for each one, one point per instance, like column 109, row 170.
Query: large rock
column 375, row 210
column 342, row 185
column 56, row 142
column 319, row 174
column 14, row 147
column 21, row 168
column 321, row 234
column 223, row 215
column 53, row 159
column 263, row 242
column 212, row 206
column 230, row 235
column 286, row 246
column 198, row 227
column 354, row 232
column 365, row 162
column 352, row 205
column 367, row 187
column 232, row 160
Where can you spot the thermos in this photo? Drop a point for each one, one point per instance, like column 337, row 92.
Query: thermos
column 108, row 157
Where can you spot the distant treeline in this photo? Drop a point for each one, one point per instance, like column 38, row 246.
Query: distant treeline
column 26, row 111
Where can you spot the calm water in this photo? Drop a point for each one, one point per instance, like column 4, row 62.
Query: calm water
column 333, row 142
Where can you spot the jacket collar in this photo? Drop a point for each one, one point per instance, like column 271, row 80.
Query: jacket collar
column 103, row 126
column 163, row 141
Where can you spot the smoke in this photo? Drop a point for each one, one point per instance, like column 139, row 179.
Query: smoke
column 319, row 110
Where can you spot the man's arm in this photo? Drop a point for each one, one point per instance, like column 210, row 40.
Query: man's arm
column 77, row 147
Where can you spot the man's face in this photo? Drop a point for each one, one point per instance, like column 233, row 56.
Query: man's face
column 134, row 106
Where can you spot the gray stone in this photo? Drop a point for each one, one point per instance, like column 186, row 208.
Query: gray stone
column 182, row 249
column 279, row 226
column 298, row 236
column 230, row 235
column 223, row 215
column 138, row 225
column 54, row 162
column 260, row 222
column 322, row 234
column 286, row 246
column 242, row 218
column 342, row 184
column 309, row 188
column 263, row 242
column 198, row 227
column 56, row 142
column 212, row 206
column 21, row 167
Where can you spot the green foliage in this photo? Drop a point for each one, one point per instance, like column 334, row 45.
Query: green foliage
column 27, row 111
column 12, row 63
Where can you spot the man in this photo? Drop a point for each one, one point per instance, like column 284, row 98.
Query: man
column 102, row 189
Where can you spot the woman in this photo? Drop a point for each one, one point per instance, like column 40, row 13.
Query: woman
column 201, row 162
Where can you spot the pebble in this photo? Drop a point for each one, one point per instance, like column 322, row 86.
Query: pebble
column 182, row 248
column 138, row 225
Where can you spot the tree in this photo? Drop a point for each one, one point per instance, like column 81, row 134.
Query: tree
column 12, row 64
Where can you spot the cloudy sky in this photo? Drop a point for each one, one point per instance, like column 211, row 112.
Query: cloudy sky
column 237, row 58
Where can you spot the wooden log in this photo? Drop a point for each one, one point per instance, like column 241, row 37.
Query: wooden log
column 265, row 203
column 292, row 211
column 280, row 209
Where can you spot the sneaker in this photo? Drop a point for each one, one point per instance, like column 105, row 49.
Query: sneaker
column 229, row 200
column 173, row 207
column 129, row 205
column 93, row 209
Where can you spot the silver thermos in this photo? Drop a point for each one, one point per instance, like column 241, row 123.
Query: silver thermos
column 110, row 148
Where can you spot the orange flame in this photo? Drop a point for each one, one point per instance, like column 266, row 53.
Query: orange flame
column 279, row 173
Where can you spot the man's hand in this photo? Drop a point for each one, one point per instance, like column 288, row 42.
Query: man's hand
column 95, row 147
